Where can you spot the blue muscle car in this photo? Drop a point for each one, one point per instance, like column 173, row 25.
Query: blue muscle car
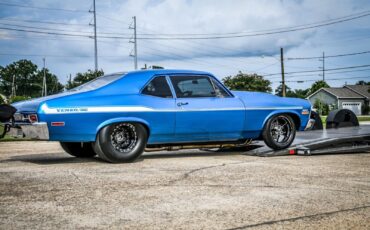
column 118, row 116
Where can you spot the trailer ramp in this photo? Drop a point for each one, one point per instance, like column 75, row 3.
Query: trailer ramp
column 342, row 140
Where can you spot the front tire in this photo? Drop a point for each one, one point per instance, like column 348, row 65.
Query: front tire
column 121, row 142
column 78, row 149
column 279, row 132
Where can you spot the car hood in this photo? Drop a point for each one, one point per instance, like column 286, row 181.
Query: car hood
column 259, row 99
column 32, row 105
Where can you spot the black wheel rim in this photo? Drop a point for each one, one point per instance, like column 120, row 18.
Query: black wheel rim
column 281, row 130
column 124, row 137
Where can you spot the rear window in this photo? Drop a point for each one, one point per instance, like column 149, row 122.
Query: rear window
column 98, row 82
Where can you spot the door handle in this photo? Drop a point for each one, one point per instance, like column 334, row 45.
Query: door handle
column 182, row 103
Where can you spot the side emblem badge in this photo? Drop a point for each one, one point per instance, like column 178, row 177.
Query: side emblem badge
column 57, row 123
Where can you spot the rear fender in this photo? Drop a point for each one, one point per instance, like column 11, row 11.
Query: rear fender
column 122, row 119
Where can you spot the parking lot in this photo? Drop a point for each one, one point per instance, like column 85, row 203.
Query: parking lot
column 43, row 187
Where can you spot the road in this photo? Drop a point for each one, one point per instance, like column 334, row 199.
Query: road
column 41, row 187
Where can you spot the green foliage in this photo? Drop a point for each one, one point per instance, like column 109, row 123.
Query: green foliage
column 82, row 78
column 247, row 82
column 363, row 82
column 365, row 109
column 28, row 79
column 2, row 99
column 52, row 83
column 318, row 85
column 18, row 98
column 298, row 93
column 322, row 108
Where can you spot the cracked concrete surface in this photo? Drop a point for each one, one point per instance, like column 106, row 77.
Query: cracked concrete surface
column 43, row 187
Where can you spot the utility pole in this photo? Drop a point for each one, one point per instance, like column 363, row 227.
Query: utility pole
column 44, row 87
column 95, row 39
column 134, row 42
column 282, row 71
column 323, row 66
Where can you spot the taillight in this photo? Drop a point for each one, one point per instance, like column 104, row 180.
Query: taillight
column 33, row 118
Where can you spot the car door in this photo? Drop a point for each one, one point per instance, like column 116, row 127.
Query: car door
column 206, row 111
column 157, row 95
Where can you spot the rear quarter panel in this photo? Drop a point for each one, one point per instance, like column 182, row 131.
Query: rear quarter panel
column 85, row 114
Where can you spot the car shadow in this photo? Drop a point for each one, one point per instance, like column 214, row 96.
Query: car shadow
column 63, row 158
column 200, row 153
column 49, row 159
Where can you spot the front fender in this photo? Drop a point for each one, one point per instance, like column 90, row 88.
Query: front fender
column 120, row 120
column 275, row 112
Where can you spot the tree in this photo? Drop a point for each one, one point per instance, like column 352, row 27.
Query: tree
column 322, row 108
column 28, row 80
column 247, row 82
column 82, row 78
column 24, row 72
column 299, row 93
column 53, row 86
column 288, row 91
column 2, row 99
column 318, row 85
column 363, row 82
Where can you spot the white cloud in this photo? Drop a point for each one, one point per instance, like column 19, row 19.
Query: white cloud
column 221, row 56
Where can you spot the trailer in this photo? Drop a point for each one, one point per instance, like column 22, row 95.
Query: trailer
column 354, row 139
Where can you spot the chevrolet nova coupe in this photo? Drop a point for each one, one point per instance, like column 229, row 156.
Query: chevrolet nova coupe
column 118, row 116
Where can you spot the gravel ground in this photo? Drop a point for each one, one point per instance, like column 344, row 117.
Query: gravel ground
column 41, row 187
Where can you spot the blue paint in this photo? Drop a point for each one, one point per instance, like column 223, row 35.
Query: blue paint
column 202, row 119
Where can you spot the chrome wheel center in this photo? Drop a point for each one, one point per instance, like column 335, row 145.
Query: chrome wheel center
column 281, row 129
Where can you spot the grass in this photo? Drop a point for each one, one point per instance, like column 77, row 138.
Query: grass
column 363, row 118
column 360, row 118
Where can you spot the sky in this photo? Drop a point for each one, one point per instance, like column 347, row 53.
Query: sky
column 222, row 37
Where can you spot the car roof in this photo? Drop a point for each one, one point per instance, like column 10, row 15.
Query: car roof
column 166, row 71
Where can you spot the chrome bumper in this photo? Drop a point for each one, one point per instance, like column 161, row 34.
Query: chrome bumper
column 38, row 130
column 310, row 124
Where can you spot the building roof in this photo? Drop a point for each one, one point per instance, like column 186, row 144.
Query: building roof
column 360, row 89
column 339, row 93
column 343, row 93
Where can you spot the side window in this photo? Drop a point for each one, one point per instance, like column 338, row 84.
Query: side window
column 158, row 87
column 193, row 86
column 220, row 90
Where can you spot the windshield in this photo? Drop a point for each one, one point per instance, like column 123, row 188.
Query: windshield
column 98, row 82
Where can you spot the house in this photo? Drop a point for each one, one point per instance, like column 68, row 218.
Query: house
column 353, row 97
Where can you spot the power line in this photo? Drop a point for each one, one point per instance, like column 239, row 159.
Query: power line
column 44, row 28
column 43, row 22
column 329, row 56
column 55, row 55
column 44, row 32
column 331, row 79
column 313, row 71
column 196, row 38
column 258, row 31
column 330, row 73
column 257, row 34
column 41, row 8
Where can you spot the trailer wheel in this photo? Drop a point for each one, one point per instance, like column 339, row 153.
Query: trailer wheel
column 121, row 142
column 279, row 132
column 341, row 118
column 318, row 122
column 78, row 149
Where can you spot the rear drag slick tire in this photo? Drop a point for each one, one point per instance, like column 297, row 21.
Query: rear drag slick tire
column 121, row 142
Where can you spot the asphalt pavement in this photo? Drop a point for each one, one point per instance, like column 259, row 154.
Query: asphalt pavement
column 41, row 187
